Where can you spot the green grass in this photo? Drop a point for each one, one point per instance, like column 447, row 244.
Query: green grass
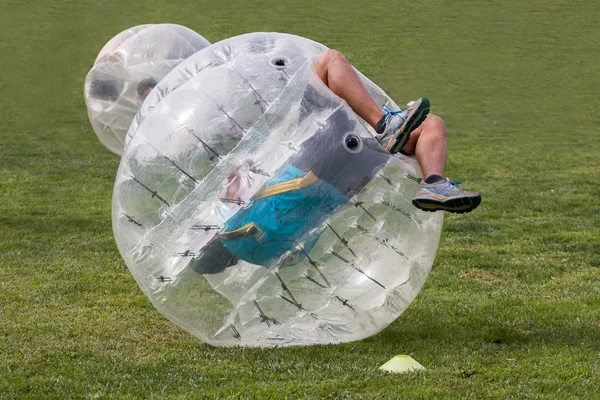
column 511, row 308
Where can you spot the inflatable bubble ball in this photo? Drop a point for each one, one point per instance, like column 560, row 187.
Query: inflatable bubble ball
column 253, row 207
column 125, row 72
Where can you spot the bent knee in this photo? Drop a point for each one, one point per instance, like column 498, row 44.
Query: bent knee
column 432, row 126
column 434, row 120
column 330, row 56
column 431, row 123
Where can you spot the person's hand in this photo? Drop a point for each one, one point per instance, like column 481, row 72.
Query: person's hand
column 238, row 181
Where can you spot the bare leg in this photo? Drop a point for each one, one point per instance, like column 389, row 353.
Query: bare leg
column 428, row 143
column 337, row 73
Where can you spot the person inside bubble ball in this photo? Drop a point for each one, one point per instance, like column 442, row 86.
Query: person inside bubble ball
column 104, row 89
column 145, row 87
column 316, row 182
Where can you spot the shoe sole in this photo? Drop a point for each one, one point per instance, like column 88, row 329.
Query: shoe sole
column 459, row 205
column 413, row 121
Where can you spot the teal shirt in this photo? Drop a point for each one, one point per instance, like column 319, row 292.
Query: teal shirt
column 291, row 204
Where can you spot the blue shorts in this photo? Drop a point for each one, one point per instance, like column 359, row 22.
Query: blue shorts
column 290, row 205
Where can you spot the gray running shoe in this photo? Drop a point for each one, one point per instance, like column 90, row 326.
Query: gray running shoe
column 445, row 195
column 396, row 126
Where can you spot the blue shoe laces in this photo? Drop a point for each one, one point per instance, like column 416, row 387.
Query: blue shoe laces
column 453, row 188
column 452, row 183
column 389, row 112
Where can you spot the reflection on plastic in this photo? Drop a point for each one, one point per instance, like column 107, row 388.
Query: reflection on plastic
column 254, row 207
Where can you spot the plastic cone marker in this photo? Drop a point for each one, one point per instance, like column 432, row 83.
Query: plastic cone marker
column 401, row 364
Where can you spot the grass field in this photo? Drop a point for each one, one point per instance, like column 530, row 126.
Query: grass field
column 511, row 308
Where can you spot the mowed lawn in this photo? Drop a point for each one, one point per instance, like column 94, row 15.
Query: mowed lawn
column 511, row 308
